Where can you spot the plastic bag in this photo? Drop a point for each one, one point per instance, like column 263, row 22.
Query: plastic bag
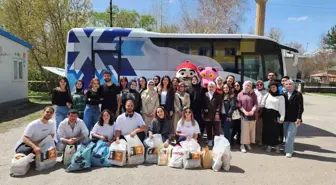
column 69, row 151
column 100, row 155
column 47, row 158
column 82, row 158
column 154, row 142
column 221, row 152
column 20, row 164
column 176, row 160
column 206, row 158
column 154, row 145
column 117, row 154
column 192, row 156
column 164, row 156
column 136, row 150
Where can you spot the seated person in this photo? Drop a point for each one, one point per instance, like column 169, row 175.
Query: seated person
column 187, row 126
column 72, row 131
column 36, row 131
column 104, row 128
column 161, row 125
column 130, row 123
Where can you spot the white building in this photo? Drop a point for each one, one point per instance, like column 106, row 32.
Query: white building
column 13, row 68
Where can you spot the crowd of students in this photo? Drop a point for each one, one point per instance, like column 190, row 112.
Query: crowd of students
column 265, row 114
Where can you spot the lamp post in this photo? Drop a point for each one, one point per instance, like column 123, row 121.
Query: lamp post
column 111, row 25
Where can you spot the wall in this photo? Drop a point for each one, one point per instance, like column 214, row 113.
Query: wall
column 11, row 89
column 293, row 70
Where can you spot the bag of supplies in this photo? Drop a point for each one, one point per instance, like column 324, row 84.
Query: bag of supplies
column 20, row 164
column 135, row 149
column 82, row 158
column 117, row 155
column 221, row 151
column 47, row 158
column 164, row 156
column 100, row 155
column 176, row 160
column 192, row 156
column 206, row 158
column 69, row 151
column 154, row 145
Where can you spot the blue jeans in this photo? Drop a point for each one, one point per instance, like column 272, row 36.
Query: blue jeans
column 91, row 115
column 60, row 114
column 290, row 129
column 227, row 128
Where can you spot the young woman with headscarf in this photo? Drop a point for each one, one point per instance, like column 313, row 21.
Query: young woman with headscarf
column 78, row 97
column 196, row 102
column 248, row 104
column 150, row 101
column 219, row 85
column 181, row 101
column 260, row 92
column 293, row 118
column 273, row 117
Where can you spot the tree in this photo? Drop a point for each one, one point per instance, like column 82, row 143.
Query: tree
column 297, row 46
column 325, row 59
column 329, row 39
column 102, row 19
column 213, row 16
column 159, row 12
column 44, row 24
column 275, row 34
column 171, row 28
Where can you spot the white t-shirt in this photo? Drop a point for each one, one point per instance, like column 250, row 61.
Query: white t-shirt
column 163, row 97
column 187, row 128
column 65, row 131
column 127, row 125
column 105, row 130
column 37, row 131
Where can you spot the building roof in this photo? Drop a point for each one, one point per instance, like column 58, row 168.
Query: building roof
column 332, row 68
column 15, row 39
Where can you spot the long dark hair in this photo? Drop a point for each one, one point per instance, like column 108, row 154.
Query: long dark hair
column 241, row 87
column 67, row 88
column 140, row 84
column 169, row 86
column 124, row 78
column 159, row 78
column 79, row 81
column 166, row 116
column 101, row 120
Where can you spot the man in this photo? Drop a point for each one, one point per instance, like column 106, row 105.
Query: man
column 36, row 131
column 282, row 88
column 130, row 123
column 110, row 94
column 271, row 78
column 72, row 131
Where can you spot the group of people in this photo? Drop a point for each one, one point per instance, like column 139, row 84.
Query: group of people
column 265, row 114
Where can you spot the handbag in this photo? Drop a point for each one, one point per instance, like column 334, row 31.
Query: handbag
column 236, row 115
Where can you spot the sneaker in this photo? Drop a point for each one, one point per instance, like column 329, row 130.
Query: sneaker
column 277, row 149
column 242, row 148
column 288, row 155
column 210, row 143
column 268, row 149
column 249, row 147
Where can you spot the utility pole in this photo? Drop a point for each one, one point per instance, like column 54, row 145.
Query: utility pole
column 111, row 25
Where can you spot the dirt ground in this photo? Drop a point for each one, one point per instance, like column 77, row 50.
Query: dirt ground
column 313, row 163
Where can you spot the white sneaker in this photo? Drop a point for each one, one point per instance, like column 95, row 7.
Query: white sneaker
column 249, row 147
column 242, row 148
column 210, row 143
column 277, row 149
column 268, row 149
column 288, row 155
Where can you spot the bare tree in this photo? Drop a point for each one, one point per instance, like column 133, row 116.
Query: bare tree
column 276, row 34
column 213, row 16
column 325, row 59
column 297, row 46
column 170, row 28
column 159, row 10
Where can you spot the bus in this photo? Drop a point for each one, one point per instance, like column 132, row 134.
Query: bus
column 134, row 53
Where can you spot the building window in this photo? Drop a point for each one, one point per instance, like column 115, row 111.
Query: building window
column 204, row 51
column 18, row 70
column 230, row 52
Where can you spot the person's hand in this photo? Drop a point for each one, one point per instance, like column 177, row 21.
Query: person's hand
column 108, row 143
column 281, row 121
column 133, row 134
column 228, row 119
column 68, row 104
column 150, row 136
column 71, row 141
column 37, row 150
column 171, row 113
column 298, row 122
column 103, row 138
column 166, row 144
column 85, row 91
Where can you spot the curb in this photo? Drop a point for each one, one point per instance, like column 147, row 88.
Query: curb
column 321, row 95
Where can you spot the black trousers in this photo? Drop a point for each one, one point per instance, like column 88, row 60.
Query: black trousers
column 236, row 129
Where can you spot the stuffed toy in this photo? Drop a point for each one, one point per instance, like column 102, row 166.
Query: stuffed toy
column 186, row 71
column 207, row 74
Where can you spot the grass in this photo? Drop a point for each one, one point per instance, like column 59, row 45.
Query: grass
column 40, row 94
column 326, row 94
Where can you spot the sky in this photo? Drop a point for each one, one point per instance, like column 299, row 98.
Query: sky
column 302, row 21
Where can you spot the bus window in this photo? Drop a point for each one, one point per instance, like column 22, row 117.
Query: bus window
column 230, row 51
column 252, row 68
column 272, row 64
column 204, row 51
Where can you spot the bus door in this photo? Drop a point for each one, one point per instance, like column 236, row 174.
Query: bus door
column 250, row 67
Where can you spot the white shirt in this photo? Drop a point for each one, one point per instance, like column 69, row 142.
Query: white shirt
column 187, row 128
column 106, row 130
column 65, row 131
column 127, row 125
column 289, row 95
column 276, row 103
column 37, row 130
column 163, row 97
column 260, row 95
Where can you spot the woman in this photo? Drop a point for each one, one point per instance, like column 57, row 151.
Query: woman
column 92, row 101
column 228, row 106
column 166, row 95
column 260, row 92
column 156, row 80
column 187, row 126
column 293, row 118
column 104, row 128
column 150, row 101
column 161, row 125
column 61, row 98
column 181, row 101
column 142, row 84
column 175, row 82
column 236, row 121
column 248, row 104
column 230, row 80
column 211, row 109
column 219, row 85
column 273, row 117
column 196, row 99
column 78, row 99
column 124, row 93
column 135, row 96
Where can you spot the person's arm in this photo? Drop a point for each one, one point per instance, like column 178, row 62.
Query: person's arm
column 54, row 97
column 282, row 109
column 197, row 130
column 33, row 145
column 301, row 108
column 142, row 125
column 179, row 128
column 94, row 133
column 84, row 131
column 61, row 133
column 240, row 104
column 177, row 103
column 255, row 103
column 232, row 106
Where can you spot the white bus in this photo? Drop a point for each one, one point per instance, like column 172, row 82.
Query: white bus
column 90, row 51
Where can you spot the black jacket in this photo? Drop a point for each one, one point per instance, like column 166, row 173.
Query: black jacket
column 230, row 105
column 196, row 98
column 294, row 106
column 169, row 106
column 166, row 131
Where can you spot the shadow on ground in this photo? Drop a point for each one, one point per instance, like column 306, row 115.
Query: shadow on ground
column 19, row 110
column 306, row 130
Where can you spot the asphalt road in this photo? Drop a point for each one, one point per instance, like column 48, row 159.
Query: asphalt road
column 313, row 163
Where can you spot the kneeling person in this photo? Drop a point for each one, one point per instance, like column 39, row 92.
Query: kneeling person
column 130, row 123
column 72, row 131
column 36, row 131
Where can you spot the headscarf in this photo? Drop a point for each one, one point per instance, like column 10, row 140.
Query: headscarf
column 260, row 81
column 150, row 81
column 293, row 86
column 277, row 90
column 219, row 78
column 178, row 88
column 245, row 86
